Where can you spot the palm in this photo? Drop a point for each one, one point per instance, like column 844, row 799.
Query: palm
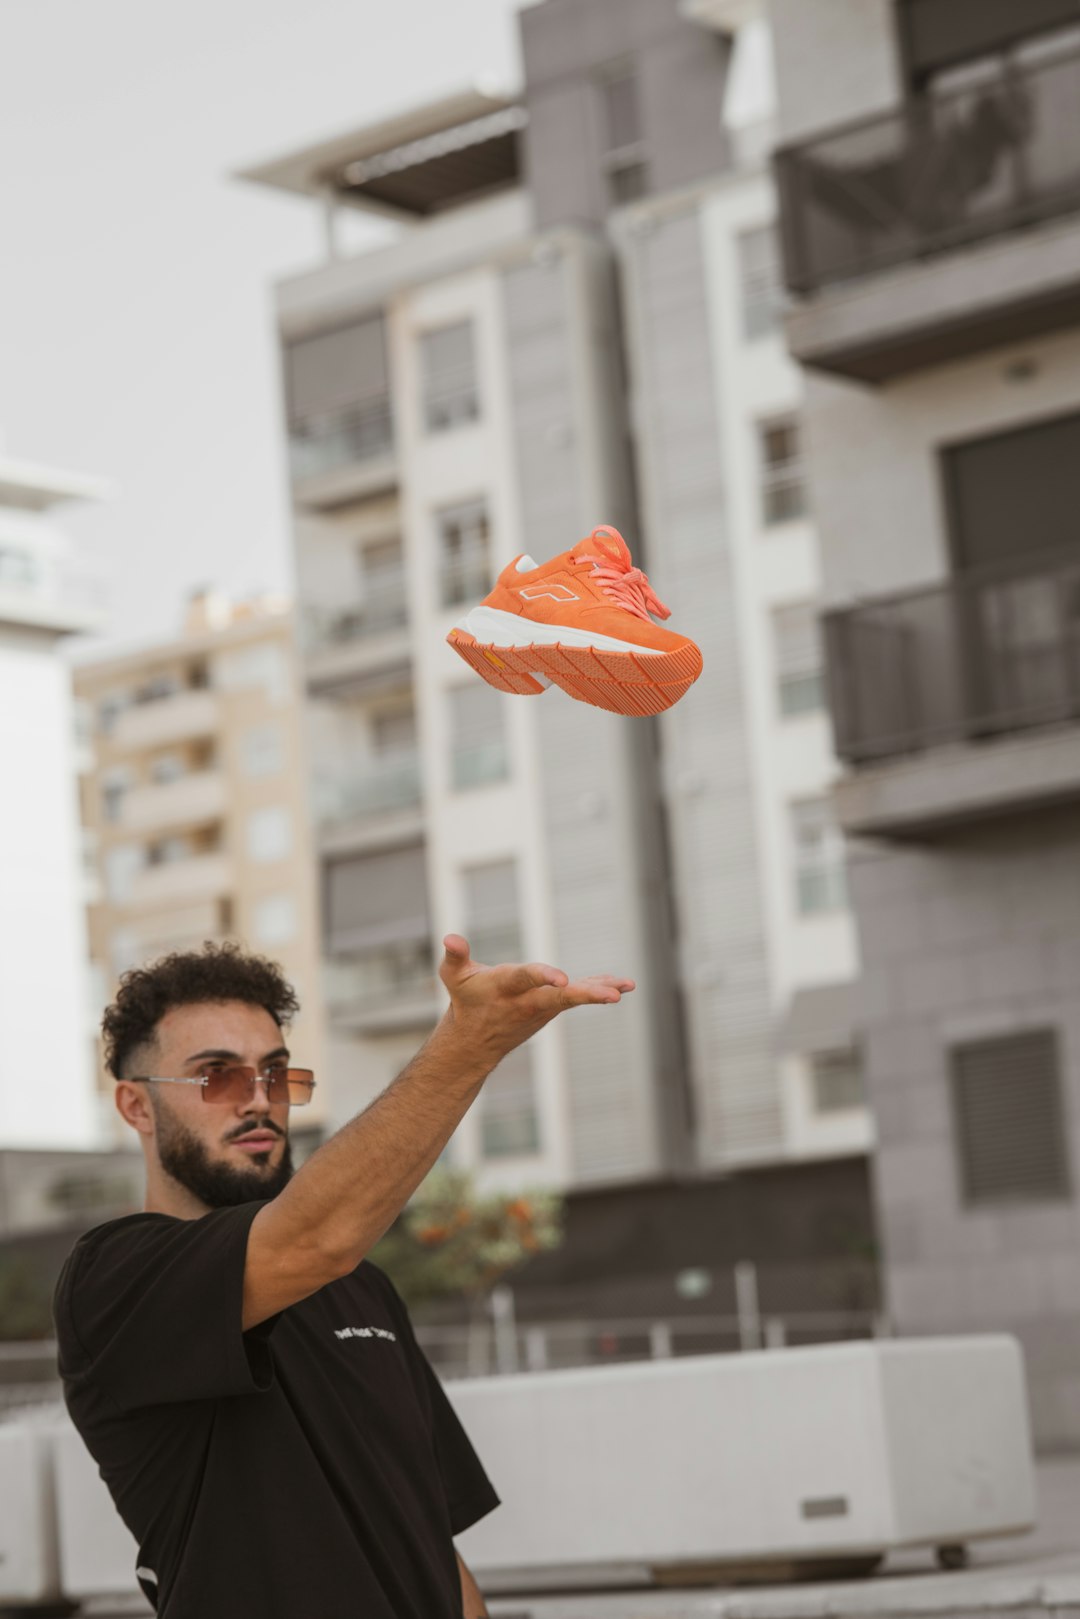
column 534, row 987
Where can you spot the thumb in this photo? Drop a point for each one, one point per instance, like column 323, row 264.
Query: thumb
column 457, row 950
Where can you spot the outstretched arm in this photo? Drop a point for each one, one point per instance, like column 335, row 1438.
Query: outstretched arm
column 348, row 1193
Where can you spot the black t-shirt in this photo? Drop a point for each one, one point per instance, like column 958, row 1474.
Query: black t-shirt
column 311, row 1468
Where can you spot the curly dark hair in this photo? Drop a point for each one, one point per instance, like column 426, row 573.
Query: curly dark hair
column 217, row 972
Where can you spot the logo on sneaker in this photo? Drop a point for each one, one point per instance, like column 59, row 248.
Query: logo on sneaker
column 558, row 593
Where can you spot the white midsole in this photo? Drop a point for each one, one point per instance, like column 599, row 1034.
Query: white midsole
column 492, row 627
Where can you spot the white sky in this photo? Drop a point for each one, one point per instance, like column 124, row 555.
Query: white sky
column 136, row 335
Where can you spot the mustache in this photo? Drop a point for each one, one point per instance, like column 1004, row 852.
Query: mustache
column 256, row 1129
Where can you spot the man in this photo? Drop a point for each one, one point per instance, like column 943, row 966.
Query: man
column 248, row 1383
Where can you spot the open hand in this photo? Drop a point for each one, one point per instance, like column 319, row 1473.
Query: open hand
column 500, row 1007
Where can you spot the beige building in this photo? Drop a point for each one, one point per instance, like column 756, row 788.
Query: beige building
column 194, row 804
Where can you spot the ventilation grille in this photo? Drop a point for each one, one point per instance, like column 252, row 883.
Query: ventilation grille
column 1007, row 1110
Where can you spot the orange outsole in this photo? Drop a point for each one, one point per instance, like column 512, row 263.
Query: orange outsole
column 621, row 682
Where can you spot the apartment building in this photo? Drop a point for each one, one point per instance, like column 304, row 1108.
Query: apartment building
column 46, row 594
column 577, row 322
column 195, row 804
column 930, row 184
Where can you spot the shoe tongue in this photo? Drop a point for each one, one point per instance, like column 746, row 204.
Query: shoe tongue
column 525, row 564
column 607, row 543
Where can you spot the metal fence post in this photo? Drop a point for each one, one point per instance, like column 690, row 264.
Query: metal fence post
column 746, row 1303
column 660, row 1340
column 502, row 1313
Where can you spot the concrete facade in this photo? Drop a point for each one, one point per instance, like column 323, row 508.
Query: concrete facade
column 973, row 937
column 619, row 375
column 195, row 806
column 965, row 859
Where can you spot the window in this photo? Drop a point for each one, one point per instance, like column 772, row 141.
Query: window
column 275, row 919
column 338, row 397
column 622, row 135
column 123, row 863
column 110, row 709
column 166, row 767
column 464, row 553
column 759, row 279
column 783, row 496
column 167, row 851
column 254, row 668
column 491, row 912
column 384, row 600
column 622, row 113
column 448, row 373
column 124, row 951
column 820, row 875
column 269, row 834
column 799, row 659
column 1008, row 1118
column 262, row 750
column 837, row 1081
column 18, row 567
column 478, row 751
column 115, row 783
column 376, row 900
column 393, row 730
column 508, row 1118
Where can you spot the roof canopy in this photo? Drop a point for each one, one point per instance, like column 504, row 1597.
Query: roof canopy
column 444, row 153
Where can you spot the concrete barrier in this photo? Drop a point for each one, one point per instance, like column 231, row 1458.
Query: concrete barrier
column 774, row 1463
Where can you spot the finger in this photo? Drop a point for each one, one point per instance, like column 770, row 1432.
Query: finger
column 534, row 975
column 456, row 965
column 587, row 992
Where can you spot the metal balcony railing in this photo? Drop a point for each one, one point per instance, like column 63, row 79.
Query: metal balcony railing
column 326, row 443
column 979, row 656
column 939, row 172
column 389, row 786
column 385, row 608
column 380, row 980
column 464, row 580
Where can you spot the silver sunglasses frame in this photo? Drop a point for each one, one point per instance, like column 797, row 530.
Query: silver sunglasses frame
column 204, row 1079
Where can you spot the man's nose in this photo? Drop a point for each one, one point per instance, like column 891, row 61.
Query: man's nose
column 259, row 1100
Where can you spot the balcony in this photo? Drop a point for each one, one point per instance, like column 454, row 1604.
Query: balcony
column 363, row 647
column 343, row 455
column 386, row 787
column 190, row 800
column 969, row 692
column 181, row 882
column 387, row 991
column 934, row 230
column 180, row 717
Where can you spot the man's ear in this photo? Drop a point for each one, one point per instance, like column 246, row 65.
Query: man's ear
column 133, row 1106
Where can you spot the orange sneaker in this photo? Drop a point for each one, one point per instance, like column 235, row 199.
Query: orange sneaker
column 581, row 621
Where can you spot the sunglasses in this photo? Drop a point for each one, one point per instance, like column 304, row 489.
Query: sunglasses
column 236, row 1085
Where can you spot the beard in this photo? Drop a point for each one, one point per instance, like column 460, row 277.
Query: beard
column 220, row 1186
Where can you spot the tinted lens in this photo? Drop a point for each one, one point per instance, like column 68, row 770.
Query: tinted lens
column 229, row 1085
column 237, row 1085
column 301, row 1082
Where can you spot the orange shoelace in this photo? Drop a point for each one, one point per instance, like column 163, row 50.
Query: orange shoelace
column 627, row 587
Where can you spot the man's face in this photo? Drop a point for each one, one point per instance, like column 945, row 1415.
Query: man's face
column 224, row 1153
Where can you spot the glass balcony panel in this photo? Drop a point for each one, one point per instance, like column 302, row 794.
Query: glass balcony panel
column 980, row 655
column 943, row 170
column 324, row 443
column 479, row 765
column 391, row 785
column 385, row 608
column 379, row 978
